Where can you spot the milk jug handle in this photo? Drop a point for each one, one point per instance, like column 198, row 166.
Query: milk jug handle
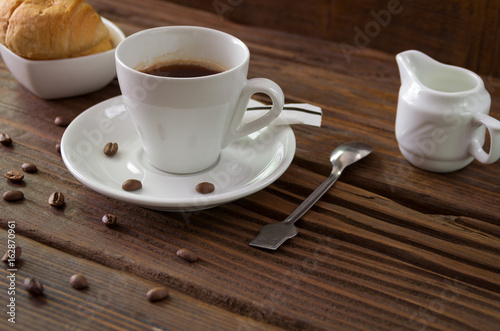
column 475, row 148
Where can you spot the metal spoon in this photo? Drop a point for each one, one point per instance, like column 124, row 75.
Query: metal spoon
column 271, row 236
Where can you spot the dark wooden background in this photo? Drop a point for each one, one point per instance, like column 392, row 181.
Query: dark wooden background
column 389, row 247
column 464, row 33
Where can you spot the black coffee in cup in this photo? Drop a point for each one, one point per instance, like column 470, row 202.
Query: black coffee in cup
column 183, row 69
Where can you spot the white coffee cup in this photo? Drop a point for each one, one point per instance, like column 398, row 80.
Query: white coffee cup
column 184, row 123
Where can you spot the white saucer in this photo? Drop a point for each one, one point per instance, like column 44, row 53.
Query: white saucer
column 246, row 166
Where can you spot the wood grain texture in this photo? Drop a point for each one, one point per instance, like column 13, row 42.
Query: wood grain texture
column 114, row 300
column 389, row 247
column 463, row 33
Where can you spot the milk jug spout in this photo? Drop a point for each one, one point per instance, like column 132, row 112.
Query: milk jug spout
column 407, row 63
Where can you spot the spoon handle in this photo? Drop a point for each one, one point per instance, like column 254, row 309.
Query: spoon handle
column 313, row 198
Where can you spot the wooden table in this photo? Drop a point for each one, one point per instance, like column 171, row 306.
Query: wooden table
column 389, row 247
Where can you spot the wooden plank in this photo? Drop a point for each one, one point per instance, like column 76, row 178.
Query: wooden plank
column 463, row 33
column 234, row 276
column 114, row 300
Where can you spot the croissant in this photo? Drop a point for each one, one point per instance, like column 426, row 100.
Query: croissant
column 52, row 29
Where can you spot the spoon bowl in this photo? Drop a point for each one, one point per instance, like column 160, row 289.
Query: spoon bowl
column 271, row 236
column 347, row 154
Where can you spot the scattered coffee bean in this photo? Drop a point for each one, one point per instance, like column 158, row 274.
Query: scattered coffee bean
column 157, row 294
column 14, row 176
column 110, row 149
column 187, row 255
column 13, row 196
column 17, row 253
column 5, row 139
column 62, row 121
column 131, row 185
column 78, row 281
column 205, row 188
column 56, row 199
column 58, row 148
column 109, row 220
column 29, row 168
column 33, row 286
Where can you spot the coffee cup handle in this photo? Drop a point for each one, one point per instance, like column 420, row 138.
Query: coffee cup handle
column 475, row 147
column 237, row 129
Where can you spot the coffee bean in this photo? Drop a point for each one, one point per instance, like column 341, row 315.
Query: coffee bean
column 56, row 199
column 58, row 148
column 205, row 188
column 17, row 253
column 5, row 139
column 62, row 121
column 131, row 185
column 187, row 255
column 14, row 176
column 110, row 149
column 29, row 168
column 109, row 220
column 13, row 195
column 78, row 281
column 33, row 286
column 157, row 294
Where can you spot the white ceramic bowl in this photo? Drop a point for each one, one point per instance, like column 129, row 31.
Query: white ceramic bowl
column 53, row 79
